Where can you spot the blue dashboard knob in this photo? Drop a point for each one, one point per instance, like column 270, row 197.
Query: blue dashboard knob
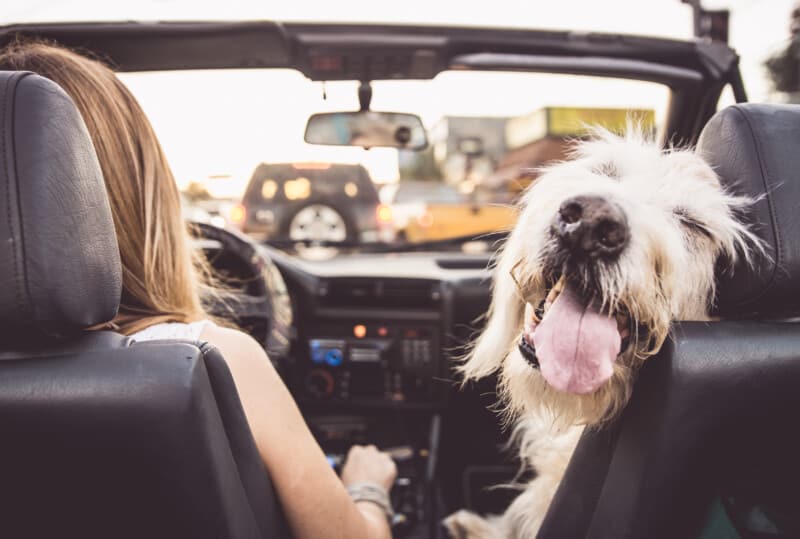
column 334, row 357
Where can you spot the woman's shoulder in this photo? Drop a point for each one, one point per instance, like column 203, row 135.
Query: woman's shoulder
column 252, row 370
column 233, row 343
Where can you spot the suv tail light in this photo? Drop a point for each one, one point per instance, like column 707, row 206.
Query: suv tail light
column 311, row 166
column 383, row 213
column 238, row 215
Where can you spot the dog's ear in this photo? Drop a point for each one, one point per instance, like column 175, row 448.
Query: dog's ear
column 504, row 317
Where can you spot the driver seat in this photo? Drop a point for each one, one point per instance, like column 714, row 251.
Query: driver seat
column 101, row 436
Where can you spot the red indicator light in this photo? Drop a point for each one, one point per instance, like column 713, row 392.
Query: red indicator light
column 383, row 331
column 326, row 63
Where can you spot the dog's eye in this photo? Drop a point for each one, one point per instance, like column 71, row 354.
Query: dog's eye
column 608, row 169
column 690, row 222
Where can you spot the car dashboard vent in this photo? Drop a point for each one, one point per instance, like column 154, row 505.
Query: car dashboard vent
column 380, row 293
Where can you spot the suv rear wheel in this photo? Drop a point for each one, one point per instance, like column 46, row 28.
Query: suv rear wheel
column 317, row 222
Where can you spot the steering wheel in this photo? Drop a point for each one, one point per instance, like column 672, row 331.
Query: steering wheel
column 253, row 294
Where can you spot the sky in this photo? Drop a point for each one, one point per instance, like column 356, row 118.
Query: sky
column 224, row 124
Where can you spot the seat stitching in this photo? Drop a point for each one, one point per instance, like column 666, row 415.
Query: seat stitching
column 765, row 175
column 25, row 281
column 9, row 220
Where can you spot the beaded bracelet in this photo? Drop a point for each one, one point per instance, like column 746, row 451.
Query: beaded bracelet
column 367, row 491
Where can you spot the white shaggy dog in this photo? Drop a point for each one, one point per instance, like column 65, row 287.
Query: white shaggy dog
column 609, row 247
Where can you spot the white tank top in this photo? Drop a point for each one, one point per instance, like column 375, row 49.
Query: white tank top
column 172, row 331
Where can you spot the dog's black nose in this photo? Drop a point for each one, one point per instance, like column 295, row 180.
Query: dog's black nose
column 592, row 226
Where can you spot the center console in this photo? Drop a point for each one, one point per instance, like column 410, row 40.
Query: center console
column 368, row 369
column 354, row 349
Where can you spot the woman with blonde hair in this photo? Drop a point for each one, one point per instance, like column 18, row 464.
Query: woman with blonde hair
column 162, row 279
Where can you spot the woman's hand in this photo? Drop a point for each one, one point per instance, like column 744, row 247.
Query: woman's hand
column 366, row 463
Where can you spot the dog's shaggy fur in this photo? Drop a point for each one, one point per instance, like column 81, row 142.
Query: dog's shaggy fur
column 681, row 225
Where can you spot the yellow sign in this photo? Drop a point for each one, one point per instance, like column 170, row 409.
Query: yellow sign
column 573, row 122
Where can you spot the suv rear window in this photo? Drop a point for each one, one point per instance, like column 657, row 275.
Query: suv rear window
column 288, row 182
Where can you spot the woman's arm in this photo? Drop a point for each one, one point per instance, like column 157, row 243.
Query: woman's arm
column 314, row 499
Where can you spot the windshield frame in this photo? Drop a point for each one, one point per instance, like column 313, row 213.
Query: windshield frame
column 423, row 51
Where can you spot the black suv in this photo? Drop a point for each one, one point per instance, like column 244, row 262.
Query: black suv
column 313, row 202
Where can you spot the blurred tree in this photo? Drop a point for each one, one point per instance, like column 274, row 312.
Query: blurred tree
column 784, row 67
column 419, row 166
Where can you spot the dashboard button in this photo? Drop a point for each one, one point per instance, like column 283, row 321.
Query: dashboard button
column 317, row 355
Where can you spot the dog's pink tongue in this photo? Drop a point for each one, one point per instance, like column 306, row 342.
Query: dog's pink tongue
column 576, row 345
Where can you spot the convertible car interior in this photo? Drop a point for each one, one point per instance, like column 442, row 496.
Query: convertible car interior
column 106, row 437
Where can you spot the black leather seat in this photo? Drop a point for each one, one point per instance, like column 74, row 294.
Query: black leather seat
column 100, row 437
column 713, row 418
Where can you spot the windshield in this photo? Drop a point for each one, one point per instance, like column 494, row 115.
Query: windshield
column 235, row 141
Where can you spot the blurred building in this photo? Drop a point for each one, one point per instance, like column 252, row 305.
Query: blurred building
column 546, row 135
column 460, row 146
column 492, row 159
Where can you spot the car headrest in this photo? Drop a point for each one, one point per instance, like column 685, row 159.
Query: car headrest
column 755, row 149
column 59, row 261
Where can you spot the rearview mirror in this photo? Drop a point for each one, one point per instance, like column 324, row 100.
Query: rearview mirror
column 368, row 129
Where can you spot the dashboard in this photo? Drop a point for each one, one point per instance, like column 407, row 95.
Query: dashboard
column 366, row 343
column 376, row 330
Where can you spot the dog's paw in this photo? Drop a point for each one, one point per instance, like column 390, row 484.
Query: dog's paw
column 467, row 525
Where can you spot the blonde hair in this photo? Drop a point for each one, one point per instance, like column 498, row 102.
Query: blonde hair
column 160, row 277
